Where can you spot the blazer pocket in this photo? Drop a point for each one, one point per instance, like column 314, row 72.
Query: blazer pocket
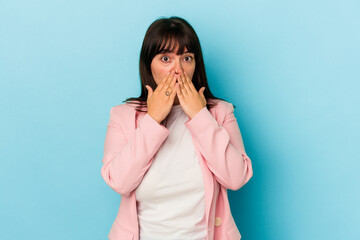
column 233, row 233
column 118, row 232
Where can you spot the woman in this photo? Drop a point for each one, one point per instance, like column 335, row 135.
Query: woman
column 173, row 152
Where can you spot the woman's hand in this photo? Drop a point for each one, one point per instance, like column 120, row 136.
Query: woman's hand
column 158, row 104
column 190, row 100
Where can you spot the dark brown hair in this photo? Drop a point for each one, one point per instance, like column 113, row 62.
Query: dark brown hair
column 161, row 34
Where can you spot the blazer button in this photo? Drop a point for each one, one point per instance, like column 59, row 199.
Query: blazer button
column 218, row 221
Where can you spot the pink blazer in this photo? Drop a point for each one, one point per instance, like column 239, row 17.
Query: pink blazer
column 133, row 139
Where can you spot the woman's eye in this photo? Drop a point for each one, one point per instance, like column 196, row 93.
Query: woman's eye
column 165, row 58
column 188, row 58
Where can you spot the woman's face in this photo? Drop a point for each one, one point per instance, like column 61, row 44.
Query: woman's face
column 163, row 63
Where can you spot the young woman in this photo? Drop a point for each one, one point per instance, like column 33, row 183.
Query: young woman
column 173, row 152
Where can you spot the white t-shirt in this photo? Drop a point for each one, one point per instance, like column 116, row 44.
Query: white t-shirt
column 170, row 198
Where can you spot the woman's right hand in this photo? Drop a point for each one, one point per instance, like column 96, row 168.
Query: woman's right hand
column 158, row 104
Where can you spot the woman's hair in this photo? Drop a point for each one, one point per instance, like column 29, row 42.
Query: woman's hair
column 166, row 34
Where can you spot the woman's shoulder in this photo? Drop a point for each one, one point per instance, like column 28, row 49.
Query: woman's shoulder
column 121, row 111
column 217, row 100
column 123, row 114
column 120, row 108
column 127, row 106
column 220, row 105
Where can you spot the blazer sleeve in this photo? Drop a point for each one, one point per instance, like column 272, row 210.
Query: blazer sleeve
column 125, row 161
column 222, row 147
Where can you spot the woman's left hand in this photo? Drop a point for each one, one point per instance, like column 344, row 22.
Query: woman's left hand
column 190, row 100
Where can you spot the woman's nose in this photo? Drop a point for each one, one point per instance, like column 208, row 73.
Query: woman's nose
column 177, row 67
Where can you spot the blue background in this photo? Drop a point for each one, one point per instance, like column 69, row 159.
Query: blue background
column 291, row 68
